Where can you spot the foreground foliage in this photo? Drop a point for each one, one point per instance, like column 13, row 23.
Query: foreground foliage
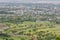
column 31, row 31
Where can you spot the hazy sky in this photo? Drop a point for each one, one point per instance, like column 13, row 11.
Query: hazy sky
column 32, row 1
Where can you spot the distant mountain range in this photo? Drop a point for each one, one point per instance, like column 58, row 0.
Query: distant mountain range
column 30, row 4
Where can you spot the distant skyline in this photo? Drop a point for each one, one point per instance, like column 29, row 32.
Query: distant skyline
column 31, row 1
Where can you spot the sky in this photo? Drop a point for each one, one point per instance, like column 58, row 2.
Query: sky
column 31, row 1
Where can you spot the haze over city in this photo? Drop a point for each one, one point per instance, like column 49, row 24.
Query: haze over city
column 31, row 1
